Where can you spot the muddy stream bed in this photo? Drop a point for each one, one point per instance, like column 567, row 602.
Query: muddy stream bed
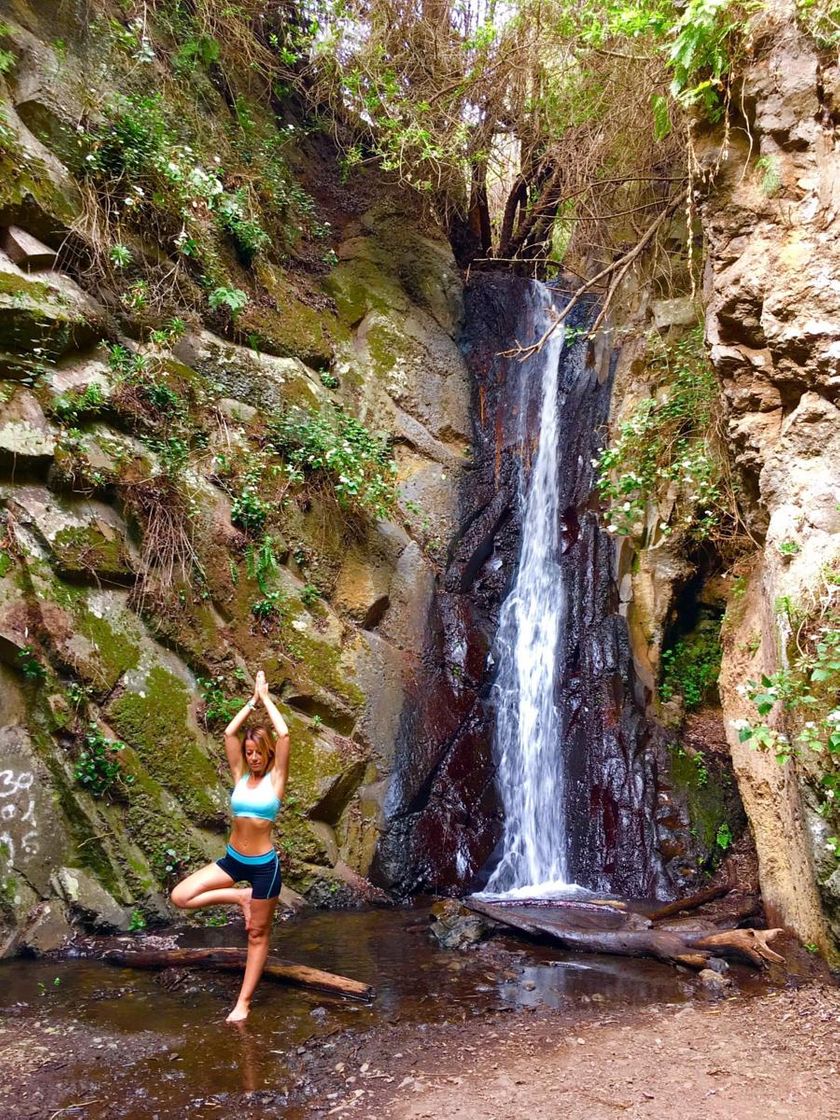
column 81, row 1039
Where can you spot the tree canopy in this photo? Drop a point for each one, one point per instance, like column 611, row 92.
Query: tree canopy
column 538, row 129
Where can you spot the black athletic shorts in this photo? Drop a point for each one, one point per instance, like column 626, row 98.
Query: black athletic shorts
column 262, row 872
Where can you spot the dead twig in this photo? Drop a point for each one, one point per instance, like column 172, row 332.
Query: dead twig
column 617, row 270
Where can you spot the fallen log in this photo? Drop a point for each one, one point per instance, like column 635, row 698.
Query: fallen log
column 637, row 938
column 692, row 902
column 234, row 960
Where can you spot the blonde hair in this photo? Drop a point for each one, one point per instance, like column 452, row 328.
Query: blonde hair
column 263, row 740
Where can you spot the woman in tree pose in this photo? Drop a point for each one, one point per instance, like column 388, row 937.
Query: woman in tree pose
column 260, row 768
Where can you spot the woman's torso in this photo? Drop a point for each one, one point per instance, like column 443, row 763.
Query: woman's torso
column 251, row 835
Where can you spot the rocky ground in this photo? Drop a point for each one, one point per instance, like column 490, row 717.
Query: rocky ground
column 753, row 1058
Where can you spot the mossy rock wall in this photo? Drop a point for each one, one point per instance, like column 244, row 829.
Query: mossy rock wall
column 138, row 595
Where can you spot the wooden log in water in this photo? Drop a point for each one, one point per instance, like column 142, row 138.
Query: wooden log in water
column 637, row 938
column 234, row 960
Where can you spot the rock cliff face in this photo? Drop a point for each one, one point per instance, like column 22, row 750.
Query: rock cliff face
column 156, row 549
column 772, row 222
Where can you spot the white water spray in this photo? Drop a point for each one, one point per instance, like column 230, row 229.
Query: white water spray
column 528, row 732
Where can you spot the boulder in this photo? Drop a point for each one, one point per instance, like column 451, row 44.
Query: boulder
column 32, row 835
column 40, row 320
column 27, row 439
column 26, row 251
column 87, row 540
column 89, row 902
column 455, row 927
column 47, row 928
column 258, row 380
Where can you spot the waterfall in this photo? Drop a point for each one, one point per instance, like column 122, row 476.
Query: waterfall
column 528, row 732
column 526, row 698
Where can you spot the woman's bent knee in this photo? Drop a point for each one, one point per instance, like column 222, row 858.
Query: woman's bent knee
column 179, row 897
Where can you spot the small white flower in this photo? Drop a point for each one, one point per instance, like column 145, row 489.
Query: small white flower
column 739, row 724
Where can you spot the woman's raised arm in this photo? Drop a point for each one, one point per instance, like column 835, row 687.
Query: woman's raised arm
column 233, row 740
column 281, row 754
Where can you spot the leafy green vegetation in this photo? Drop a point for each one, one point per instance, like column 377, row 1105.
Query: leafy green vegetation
column 672, row 444
column 137, row 921
column 69, row 407
column 821, row 19
column 30, row 664
column 724, row 837
column 771, row 181
column 261, row 562
column 219, row 708
column 690, row 667
column 338, row 450
column 802, row 703
column 234, row 299
column 595, row 93
column 97, row 768
column 249, row 511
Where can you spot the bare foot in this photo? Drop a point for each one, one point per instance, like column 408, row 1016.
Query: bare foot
column 239, row 1014
column 246, row 906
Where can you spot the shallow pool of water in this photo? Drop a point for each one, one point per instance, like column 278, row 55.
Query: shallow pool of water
column 156, row 1044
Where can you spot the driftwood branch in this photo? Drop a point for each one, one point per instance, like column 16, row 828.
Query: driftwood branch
column 633, row 936
column 230, row 960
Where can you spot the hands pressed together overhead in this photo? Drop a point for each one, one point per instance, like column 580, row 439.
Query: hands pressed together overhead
column 260, row 688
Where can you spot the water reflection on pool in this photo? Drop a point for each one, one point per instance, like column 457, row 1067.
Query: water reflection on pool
column 160, row 1046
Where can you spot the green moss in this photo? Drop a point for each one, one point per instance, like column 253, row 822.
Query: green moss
column 298, row 844
column 164, row 838
column 312, row 760
column 5, row 563
column 388, row 347
column 707, row 797
column 155, row 722
column 297, row 331
column 86, row 549
column 322, row 665
column 23, row 179
column 91, row 851
column 115, row 653
column 360, row 286
column 21, row 289
column 36, row 324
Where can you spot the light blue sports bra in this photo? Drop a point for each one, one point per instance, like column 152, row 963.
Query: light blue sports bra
column 260, row 801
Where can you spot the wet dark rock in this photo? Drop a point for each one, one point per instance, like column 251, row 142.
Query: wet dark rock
column 456, row 927
column 713, row 985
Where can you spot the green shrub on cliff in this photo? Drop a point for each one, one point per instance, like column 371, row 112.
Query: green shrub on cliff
column 690, row 667
column 667, row 462
column 97, row 768
column 798, row 709
column 337, row 450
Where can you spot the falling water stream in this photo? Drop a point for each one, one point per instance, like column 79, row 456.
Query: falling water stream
column 528, row 736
